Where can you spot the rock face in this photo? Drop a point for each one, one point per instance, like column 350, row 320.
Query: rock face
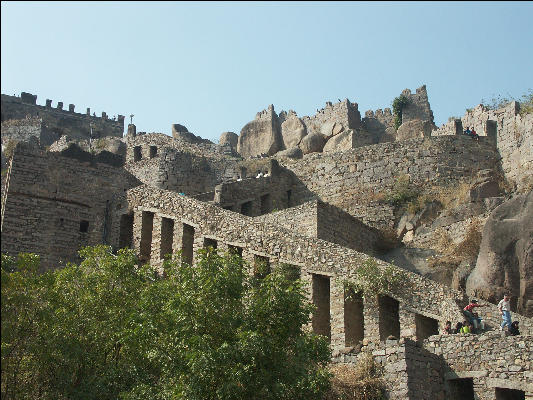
column 312, row 143
column 293, row 152
column 331, row 128
column 414, row 129
column 182, row 133
column 343, row 141
column 262, row 135
column 229, row 138
column 505, row 261
column 292, row 130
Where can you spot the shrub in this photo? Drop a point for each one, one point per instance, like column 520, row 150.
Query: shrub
column 402, row 191
column 398, row 105
column 111, row 329
column 363, row 381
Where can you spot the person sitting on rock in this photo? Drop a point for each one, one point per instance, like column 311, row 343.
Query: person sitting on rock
column 447, row 328
column 480, row 321
column 513, row 330
column 458, row 327
column 468, row 131
column 474, row 134
column 467, row 311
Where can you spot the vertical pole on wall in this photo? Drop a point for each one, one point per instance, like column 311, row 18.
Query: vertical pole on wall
column 90, row 137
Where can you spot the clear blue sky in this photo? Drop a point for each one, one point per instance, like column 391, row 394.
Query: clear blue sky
column 213, row 66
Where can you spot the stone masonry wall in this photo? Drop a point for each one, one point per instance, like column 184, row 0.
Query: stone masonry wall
column 420, row 370
column 59, row 121
column 418, row 106
column 514, row 137
column 256, row 237
column 344, row 112
column 364, row 175
column 47, row 198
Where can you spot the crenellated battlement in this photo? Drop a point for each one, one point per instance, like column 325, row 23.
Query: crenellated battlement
column 61, row 121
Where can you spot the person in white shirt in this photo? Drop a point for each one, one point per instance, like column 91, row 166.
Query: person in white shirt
column 505, row 309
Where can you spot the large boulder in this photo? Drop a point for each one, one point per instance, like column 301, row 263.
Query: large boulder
column 331, row 128
column 342, row 141
column 292, row 131
column 182, row 133
column 230, row 139
column 505, row 261
column 414, row 129
column 261, row 136
column 293, row 152
column 312, row 143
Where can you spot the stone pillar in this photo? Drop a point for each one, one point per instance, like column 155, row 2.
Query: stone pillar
column 337, row 313
column 137, row 225
column 371, row 317
column 132, row 130
column 88, row 111
column 59, row 105
column 71, row 107
column 156, row 240
column 104, row 115
column 407, row 322
column 48, row 103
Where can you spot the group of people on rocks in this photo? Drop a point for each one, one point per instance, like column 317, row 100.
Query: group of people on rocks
column 472, row 133
column 474, row 323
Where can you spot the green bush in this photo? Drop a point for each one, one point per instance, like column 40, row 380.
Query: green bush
column 111, row 329
column 398, row 105
column 402, row 191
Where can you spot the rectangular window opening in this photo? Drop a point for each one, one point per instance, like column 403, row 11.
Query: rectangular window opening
column 425, row 327
column 235, row 250
column 266, row 204
column 461, row 389
column 510, row 394
column 153, row 151
column 187, row 242
column 208, row 242
column 126, row 231
column 389, row 318
column 167, row 236
column 321, row 299
column 137, row 153
column 246, row 208
column 354, row 326
column 147, row 226
column 84, row 226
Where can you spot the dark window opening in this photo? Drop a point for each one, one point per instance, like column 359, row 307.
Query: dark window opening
column 208, row 242
column 354, row 326
column 246, row 208
column 425, row 327
column 167, row 236
column 266, row 204
column 389, row 317
column 187, row 242
column 510, row 394
column 84, row 226
column 291, row 272
column 261, row 266
column 137, row 154
column 153, row 151
column 461, row 389
column 289, row 195
column 321, row 299
column 235, row 250
column 126, row 231
column 147, row 225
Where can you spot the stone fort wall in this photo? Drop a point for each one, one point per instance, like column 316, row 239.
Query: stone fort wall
column 355, row 180
column 53, row 205
column 513, row 135
column 59, row 121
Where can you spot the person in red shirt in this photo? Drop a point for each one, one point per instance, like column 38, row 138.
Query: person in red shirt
column 467, row 311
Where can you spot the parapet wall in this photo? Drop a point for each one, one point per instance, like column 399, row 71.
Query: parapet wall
column 59, row 121
column 357, row 180
column 343, row 112
column 53, row 205
column 513, row 133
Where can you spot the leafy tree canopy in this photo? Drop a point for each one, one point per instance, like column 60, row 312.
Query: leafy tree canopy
column 109, row 328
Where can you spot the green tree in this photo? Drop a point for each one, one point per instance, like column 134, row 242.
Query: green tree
column 109, row 328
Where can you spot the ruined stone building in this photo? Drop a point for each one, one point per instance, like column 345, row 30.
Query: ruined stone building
column 322, row 193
